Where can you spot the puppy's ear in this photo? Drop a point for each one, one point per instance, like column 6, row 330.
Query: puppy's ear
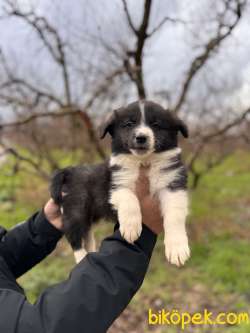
column 182, row 127
column 107, row 126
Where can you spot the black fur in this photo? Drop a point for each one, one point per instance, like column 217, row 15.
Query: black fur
column 164, row 124
column 175, row 163
column 85, row 201
column 87, row 188
column 180, row 183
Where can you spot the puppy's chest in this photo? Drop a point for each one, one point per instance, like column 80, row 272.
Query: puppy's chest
column 125, row 172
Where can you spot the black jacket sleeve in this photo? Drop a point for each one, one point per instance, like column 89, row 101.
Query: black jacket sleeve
column 28, row 243
column 97, row 291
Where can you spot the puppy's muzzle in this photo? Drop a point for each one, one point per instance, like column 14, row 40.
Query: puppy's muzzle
column 141, row 142
column 141, row 139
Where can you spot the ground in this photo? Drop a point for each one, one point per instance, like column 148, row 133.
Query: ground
column 216, row 278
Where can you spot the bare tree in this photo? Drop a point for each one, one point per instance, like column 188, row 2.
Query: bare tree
column 32, row 102
column 225, row 27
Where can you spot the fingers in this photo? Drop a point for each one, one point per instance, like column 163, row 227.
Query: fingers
column 53, row 214
column 51, row 208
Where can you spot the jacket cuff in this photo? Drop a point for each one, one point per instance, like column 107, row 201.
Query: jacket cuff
column 146, row 241
column 43, row 227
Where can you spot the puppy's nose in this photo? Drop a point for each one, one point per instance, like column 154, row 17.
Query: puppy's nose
column 141, row 139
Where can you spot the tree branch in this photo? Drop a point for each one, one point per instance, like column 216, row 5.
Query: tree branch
column 135, row 70
column 23, row 83
column 129, row 19
column 45, row 31
column 205, row 139
column 223, row 31
column 57, row 114
column 227, row 127
column 62, row 113
column 17, row 155
column 211, row 164
column 161, row 24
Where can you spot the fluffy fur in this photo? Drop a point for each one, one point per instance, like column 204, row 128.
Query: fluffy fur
column 143, row 133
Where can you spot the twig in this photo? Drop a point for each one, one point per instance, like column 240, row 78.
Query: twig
column 129, row 19
column 222, row 33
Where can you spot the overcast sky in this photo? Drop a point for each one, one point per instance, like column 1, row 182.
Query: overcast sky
column 167, row 55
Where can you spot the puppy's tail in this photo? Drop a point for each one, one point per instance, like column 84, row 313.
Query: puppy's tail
column 57, row 185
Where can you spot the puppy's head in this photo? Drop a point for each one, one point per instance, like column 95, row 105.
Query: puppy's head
column 142, row 128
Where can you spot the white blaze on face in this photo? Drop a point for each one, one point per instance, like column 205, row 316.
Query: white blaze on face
column 142, row 109
column 145, row 130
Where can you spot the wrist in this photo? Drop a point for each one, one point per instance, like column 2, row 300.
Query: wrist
column 53, row 214
column 44, row 227
column 55, row 222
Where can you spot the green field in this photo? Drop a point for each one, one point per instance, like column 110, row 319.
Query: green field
column 218, row 275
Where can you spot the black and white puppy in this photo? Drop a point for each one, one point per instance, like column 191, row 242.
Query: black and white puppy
column 143, row 133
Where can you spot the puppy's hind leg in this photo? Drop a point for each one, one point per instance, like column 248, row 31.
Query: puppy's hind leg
column 76, row 240
column 88, row 244
column 89, row 241
column 76, row 221
column 80, row 254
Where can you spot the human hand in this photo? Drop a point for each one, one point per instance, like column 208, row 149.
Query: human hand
column 53, row 214
column 151, row 215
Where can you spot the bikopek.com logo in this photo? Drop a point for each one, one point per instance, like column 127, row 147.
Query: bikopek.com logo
column 184, row 319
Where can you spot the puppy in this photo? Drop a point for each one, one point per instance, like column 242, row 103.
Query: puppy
column 143, row 133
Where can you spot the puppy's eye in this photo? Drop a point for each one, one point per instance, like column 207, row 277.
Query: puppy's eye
column 128, row 124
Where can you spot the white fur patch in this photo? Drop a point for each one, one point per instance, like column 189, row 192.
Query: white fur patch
column 123, row 198
column 158, row 179
column 90, row 243
column 143, row 129
column 79, row 255
column 142, row 109
column 174, row 204
column 130, row 165
column 174, row 207
column 129, row 213
column 127, row 176
column 146, row 131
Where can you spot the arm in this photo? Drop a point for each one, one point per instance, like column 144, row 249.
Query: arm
column 28, row 243
column 98, row 290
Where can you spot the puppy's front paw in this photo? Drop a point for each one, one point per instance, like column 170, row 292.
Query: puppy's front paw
column 130, row 225
column 177, row 250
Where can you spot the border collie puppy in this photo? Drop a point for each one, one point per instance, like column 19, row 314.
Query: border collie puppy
column 143, row 134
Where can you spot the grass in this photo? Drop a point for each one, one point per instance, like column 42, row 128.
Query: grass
column 216, row 277
column 219, row 263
